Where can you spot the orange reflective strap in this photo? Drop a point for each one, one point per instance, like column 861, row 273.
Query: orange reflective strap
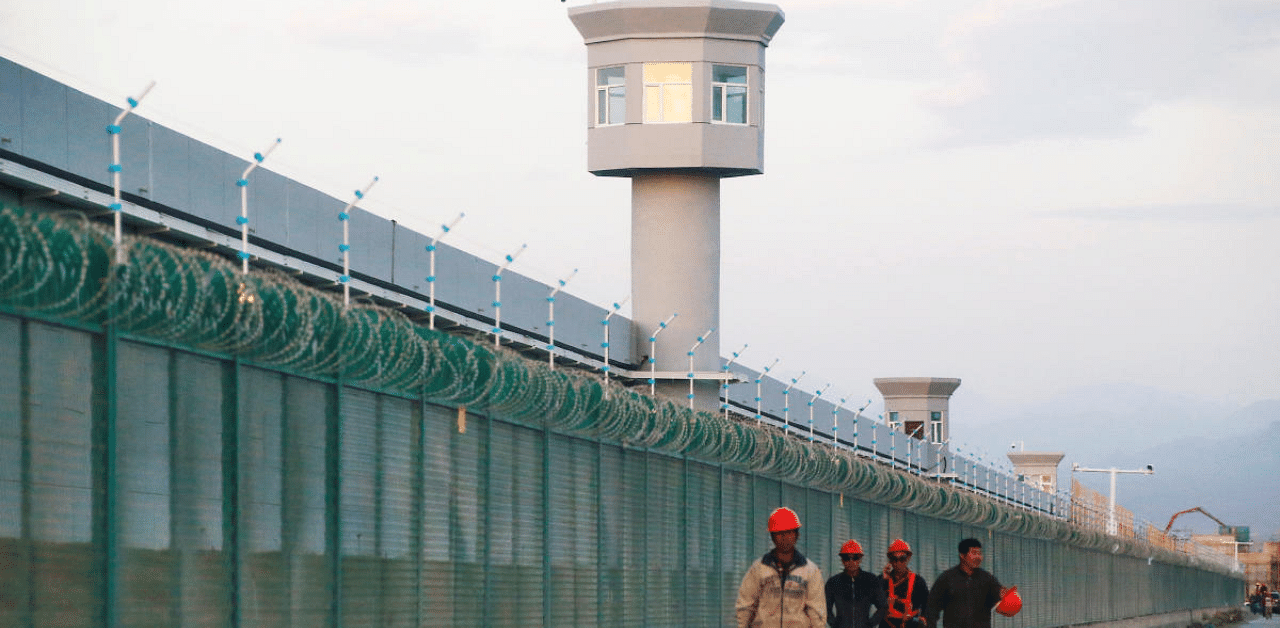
column 893, row 612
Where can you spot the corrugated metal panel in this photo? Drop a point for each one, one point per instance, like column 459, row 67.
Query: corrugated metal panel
column 464, row 280
column 169, row 180
column 326, row 228
column 44, row 120
column 89, row 146
column 269, row 205
column 11, row 106
column 371, row 243
column 301, row 223
column 409, row 264
column 213, row 175
column 136, row 151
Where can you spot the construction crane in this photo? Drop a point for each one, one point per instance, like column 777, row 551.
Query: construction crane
column 1196, row 509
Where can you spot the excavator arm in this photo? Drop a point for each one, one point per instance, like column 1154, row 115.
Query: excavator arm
column 1196, row 509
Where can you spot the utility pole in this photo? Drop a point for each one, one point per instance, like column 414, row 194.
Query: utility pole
column 1111, row 507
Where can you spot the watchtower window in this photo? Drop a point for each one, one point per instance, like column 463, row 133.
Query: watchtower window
column 935, row 427
column 611, row 95
column 668, row 92
column 729, row 94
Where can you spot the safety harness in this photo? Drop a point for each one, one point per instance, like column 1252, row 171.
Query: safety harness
column 900, row 609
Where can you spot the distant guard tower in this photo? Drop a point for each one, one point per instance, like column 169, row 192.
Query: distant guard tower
column 675, row 91
column 918, row 405
column 1038, row 468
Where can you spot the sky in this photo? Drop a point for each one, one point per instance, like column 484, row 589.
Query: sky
column 1033, row 196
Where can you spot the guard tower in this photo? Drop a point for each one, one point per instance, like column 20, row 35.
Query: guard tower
column 1038, row 468
column 675, row 95
column 918, row 405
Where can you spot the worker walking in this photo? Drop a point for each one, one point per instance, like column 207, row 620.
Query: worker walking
column 905, row 590
column 783, row 589
column 965, row 594
column 852, row 592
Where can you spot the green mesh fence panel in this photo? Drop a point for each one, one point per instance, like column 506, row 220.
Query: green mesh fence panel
column 264, row 583
column 307, row 528
column 183, row 445
column 148, row 569
column 516, row 519
column 573, row 525
column 11, row 404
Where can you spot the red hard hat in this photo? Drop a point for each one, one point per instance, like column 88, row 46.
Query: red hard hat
column 899, row 545
column 1010, row 604
column 851, row 547
column 784, row 520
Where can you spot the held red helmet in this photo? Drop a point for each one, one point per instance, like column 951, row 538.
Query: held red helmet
column 899, row 545
column 1010, row 604
column 851, row 547
column 784, row 520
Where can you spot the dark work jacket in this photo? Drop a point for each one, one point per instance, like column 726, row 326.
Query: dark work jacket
column 963, row 600
column 919, row 598
column 849, row 600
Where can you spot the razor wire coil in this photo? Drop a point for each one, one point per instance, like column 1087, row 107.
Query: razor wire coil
column 59, row 267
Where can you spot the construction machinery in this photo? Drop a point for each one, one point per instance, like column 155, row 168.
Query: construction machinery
column 1196, row 509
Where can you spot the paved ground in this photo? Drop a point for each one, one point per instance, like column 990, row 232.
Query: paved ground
column 1256, row 621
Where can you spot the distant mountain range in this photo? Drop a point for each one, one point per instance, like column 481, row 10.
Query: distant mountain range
column 1222, row 458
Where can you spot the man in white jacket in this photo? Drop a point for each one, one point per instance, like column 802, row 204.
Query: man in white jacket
column 783, row 589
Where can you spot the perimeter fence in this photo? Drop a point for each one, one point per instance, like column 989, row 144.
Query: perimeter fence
column 183, row 444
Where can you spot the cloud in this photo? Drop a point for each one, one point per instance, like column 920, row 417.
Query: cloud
column 878, row 40
column 392, row 29
column 410, row 32
column 1186, row 212
column 1088, row 68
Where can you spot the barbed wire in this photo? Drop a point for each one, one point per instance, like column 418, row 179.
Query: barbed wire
column 56, row 266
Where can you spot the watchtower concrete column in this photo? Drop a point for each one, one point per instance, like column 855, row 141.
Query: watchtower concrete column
column 675, row 266
column 675, row 100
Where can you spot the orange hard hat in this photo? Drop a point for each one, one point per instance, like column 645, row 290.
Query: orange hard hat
column 851, row 547
column 1010, row 604
column 899, row 545
column 784, row 520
